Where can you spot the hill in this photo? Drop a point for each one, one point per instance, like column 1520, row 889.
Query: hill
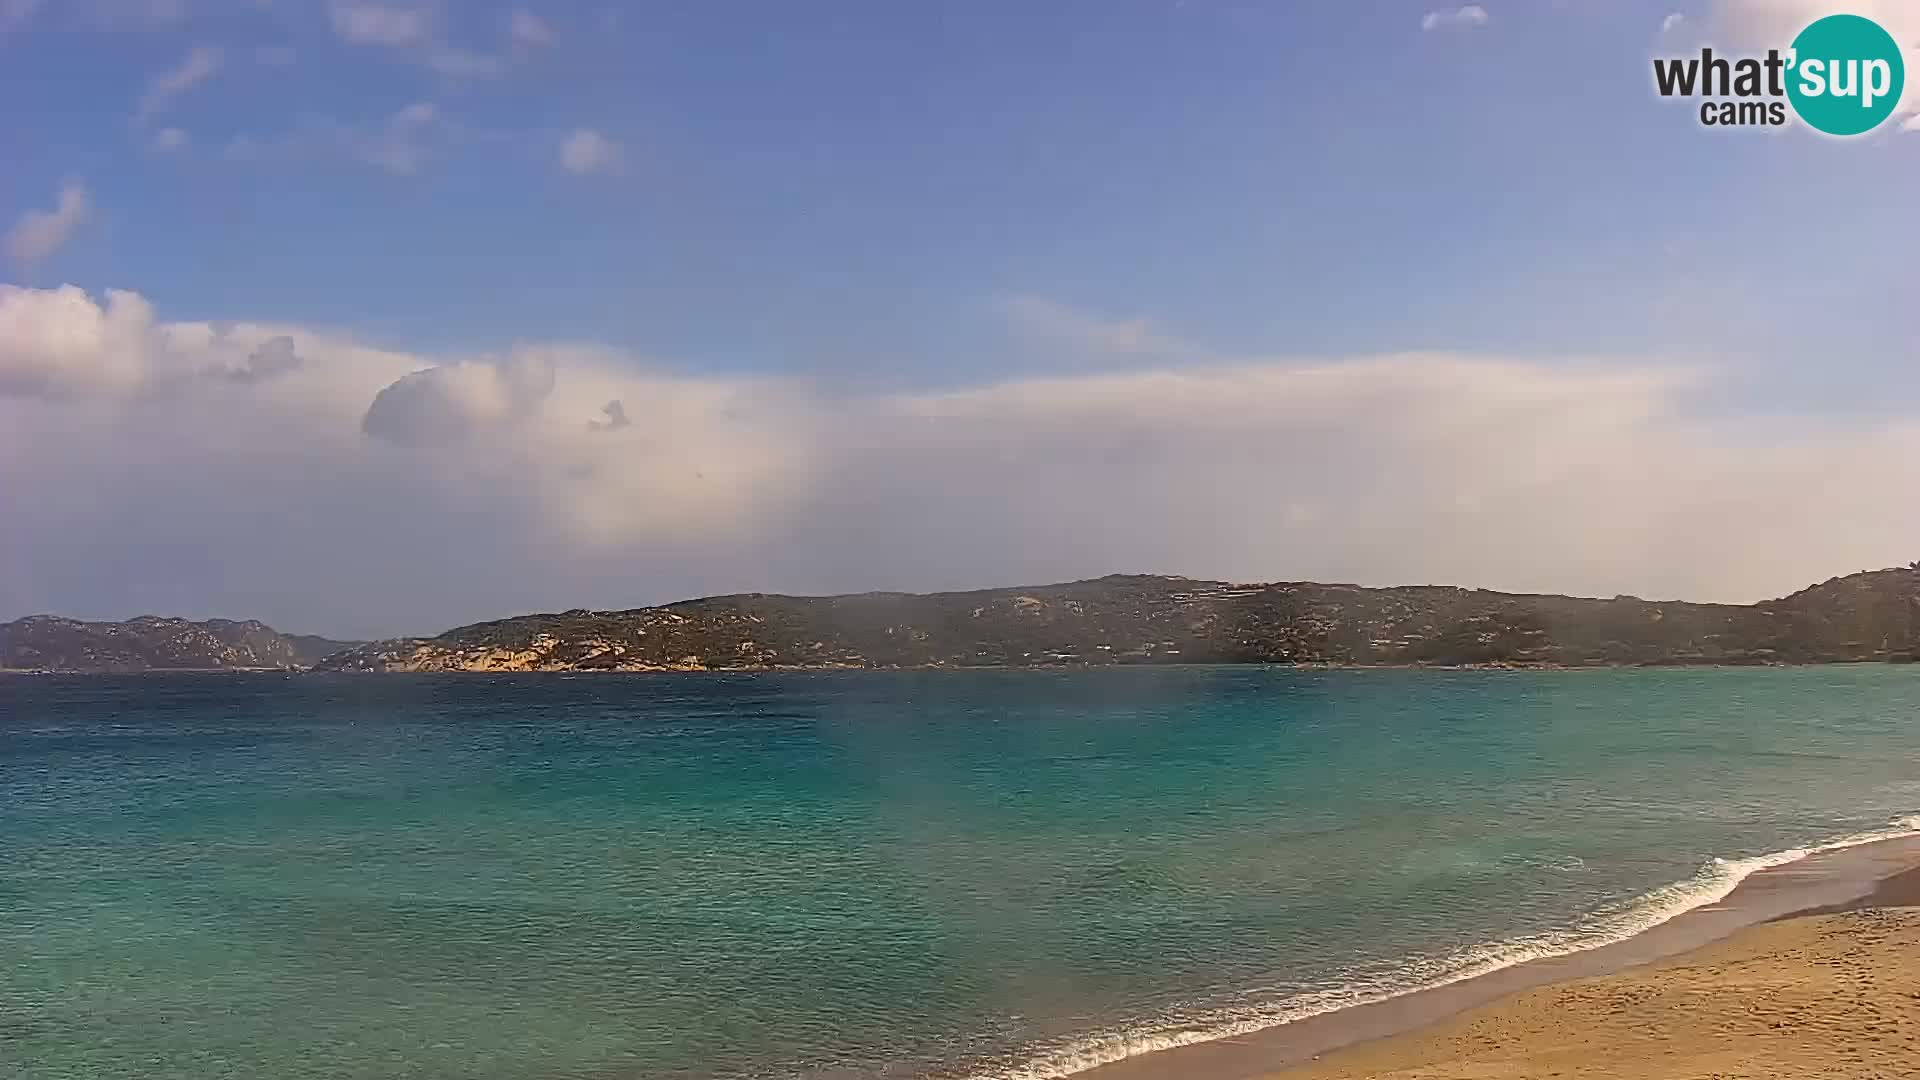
column 153, row 643
column 1158, row 620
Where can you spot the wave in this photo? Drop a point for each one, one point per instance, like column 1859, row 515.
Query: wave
column 1715, row 881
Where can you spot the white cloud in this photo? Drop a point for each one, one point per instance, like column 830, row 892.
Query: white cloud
column 171, row 139
column 380, row 24
column 1672, row 22
column 449, row 404
column 441, row 489
column 414, row 32
column 199, row 65
column 528, row 31
column 1774, row 23
column 59, row 343
column 1469, row 15
column 40, row 233
column 273, row 358
column 585, row 151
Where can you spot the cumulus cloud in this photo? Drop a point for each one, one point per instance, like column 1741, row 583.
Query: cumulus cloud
column 40, row 233
column 1467, row 16
column 59, row 343
column 616, row 417
column 449, row 404
column 272, row 358
column 199, row 65
column 1672, row 22
column 585, row 151
column 368, row 491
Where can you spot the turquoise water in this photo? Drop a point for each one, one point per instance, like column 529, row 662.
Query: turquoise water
column 856, row 875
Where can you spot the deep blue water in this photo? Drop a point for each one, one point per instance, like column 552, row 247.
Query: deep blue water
column 855, row 874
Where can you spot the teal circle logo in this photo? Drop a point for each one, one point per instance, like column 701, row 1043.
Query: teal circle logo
column 1845, row 75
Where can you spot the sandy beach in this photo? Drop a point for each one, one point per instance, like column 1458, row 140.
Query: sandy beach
column 1810, row 969
column 1821, row 996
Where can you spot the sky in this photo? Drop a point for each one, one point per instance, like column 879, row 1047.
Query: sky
column 377, row 318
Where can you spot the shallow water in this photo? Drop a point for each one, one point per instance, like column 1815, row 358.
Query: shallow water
column 856, row 874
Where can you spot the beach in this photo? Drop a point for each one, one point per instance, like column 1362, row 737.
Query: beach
column 1826, row 995
column 1829, row 990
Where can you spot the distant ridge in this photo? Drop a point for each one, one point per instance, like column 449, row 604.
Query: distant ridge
column 154, row 643
column 1145, row 619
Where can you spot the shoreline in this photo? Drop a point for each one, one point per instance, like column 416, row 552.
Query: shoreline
column 1314, row 665
column 1306, row 665
column 1824, row 883
column 1831, row 992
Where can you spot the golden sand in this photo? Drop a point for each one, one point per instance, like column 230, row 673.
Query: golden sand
column 1827, row 996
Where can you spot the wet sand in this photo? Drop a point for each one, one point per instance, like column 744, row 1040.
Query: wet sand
column 1811, row 969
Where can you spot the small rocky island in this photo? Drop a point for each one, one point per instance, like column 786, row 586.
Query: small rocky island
column 153, row 643
column 1127, row 619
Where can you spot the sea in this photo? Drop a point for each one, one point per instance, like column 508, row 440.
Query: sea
column 862, row 875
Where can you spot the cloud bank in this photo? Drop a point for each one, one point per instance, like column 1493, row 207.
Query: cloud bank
column 304, row 478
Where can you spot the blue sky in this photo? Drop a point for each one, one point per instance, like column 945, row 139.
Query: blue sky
column 914, row 198
column 852, row 184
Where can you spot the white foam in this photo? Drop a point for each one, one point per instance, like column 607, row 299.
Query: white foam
column 1714, row 883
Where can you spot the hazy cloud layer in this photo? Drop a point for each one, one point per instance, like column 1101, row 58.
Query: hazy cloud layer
column 303, row 478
